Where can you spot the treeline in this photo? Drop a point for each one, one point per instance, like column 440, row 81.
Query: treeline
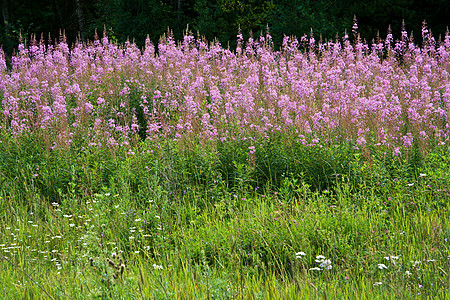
column 135, row 19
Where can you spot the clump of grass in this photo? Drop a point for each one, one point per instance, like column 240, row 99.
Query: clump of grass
column 129, row 232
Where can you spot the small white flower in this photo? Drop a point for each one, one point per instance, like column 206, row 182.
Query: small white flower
column 71, row 225
column 415, row 263
column 315, row 269
column 377, row 283
column 407, row 273
column 326, row 264
column 382, row 266
column 320, row 257
column 422, row 175
column 300, row 254
column 392, row 258
column 157, row 267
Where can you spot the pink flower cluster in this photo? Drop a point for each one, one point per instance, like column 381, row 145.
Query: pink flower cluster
column 389, row 94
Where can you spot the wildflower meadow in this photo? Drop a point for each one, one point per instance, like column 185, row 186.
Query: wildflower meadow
column 189, row 170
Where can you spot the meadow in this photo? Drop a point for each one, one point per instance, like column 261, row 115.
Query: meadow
column 191, row 171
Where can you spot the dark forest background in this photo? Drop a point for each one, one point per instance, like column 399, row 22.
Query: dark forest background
column 135, row 19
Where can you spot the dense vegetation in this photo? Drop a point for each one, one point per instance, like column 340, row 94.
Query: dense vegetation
column 317, row 170
column 135, row 19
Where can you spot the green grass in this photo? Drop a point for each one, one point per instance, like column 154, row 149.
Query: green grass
column 213, row 222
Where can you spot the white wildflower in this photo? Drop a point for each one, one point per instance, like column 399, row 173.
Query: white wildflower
column 415, row 263
column 326, row 264
column 392, row 258
column 299, row 254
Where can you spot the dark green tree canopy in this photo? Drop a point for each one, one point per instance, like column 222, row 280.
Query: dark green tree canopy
column 221, row 19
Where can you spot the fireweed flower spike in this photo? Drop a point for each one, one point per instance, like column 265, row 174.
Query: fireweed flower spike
column 233, row 101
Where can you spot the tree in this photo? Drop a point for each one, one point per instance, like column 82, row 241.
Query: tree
column 6, row 21
column 80, row 18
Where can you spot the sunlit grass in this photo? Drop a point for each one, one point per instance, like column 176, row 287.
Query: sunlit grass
column 382, row 240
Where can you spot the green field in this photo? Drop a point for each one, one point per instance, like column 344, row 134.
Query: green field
column 165, row 224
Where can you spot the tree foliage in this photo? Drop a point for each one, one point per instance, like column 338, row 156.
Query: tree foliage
column 221, row 19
